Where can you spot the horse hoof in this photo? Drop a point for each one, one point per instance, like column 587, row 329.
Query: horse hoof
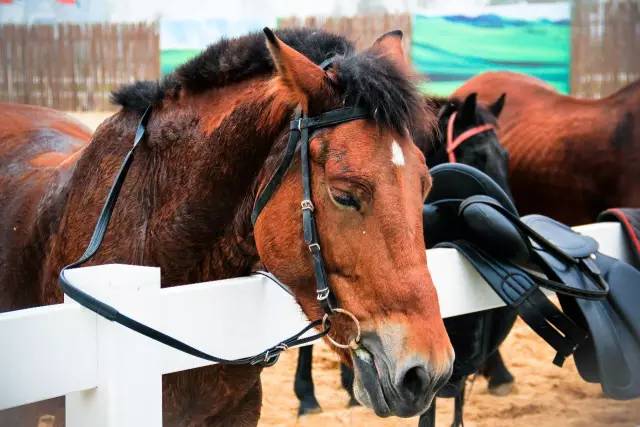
column 309, row 408
column 502, row 389
column 353, row 402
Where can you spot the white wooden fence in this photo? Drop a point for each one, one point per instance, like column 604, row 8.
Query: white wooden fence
column 111, row 376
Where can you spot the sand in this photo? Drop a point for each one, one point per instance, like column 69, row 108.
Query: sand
column 544, row 395
column 91, row 119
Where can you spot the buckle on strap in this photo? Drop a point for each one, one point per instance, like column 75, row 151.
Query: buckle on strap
column 323, row 294
column 296, row 124
column 307, row 205
column 270, row 356
column 314, row 248
column 269, row 359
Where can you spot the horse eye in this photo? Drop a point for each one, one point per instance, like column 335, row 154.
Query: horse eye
column 347, row 200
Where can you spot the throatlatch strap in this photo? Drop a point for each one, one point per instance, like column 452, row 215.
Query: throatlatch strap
column 519, row 290
column 266, row 358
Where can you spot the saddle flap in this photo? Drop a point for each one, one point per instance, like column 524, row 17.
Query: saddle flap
column 562, row 236
column 493, row 231
column 453, row 183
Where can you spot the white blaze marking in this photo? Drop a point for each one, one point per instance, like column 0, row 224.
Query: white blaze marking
column 397, row 157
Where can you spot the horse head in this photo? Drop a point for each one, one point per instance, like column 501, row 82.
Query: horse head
column 368, row 182
column 468, row 134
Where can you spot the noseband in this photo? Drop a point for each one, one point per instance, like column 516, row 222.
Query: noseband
column 299, row 134
column 452, row 144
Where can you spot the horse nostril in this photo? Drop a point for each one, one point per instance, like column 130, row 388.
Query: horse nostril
column 415, row 383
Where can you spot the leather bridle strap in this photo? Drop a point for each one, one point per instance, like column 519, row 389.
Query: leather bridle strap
column 266, row 358
column 519, row 290
column 452, row 144
column 299, row 132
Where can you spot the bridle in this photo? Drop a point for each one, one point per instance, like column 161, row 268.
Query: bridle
column 299, row 132
column 452, row 143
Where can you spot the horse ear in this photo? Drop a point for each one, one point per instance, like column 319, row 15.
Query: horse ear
column 496, row 107
column 299, row 74
column 389, row 45
column 445, row 110
column 468, row 110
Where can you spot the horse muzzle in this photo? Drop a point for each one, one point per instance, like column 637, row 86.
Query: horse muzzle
column 402, row 387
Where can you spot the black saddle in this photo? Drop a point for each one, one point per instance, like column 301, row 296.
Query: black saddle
column 474, row 336
column 599, row 323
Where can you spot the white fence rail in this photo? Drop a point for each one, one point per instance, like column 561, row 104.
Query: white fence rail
column 111, row 376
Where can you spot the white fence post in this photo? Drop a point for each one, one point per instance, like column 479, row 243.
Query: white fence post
column 129, row 383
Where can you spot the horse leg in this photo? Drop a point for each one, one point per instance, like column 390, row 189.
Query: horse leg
column 458, row 410
column 346, row 378
column 303, row 383
column 245, row 413
column 428, row 419
column 217, row 395
column 500, row 379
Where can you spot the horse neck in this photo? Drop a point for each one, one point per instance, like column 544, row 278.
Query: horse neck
column 188, row 197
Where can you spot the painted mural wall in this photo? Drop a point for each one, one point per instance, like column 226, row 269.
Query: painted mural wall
column 454, row 42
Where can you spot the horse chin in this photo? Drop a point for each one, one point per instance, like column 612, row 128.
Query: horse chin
column 373, row 386
column 366, row 387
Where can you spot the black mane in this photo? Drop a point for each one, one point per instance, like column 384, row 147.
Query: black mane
column 365, row 79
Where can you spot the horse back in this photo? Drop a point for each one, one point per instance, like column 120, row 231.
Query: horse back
column 38, row 148
column 570, row 158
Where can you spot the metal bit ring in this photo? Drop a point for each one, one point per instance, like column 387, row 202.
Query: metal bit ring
column 354, row 342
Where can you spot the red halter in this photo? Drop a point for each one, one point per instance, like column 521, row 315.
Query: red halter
column 452, row 144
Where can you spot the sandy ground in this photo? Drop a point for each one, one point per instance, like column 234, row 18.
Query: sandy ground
column 544, row 395
column 91, row 119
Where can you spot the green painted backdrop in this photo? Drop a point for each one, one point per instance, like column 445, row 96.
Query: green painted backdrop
column 452, row 49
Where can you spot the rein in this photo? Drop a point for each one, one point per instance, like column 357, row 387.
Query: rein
column 299, row 132
column 452, row 143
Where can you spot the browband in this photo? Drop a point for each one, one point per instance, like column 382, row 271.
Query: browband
column 330, row 118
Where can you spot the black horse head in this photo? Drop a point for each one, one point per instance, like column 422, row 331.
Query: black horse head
column 481, row 150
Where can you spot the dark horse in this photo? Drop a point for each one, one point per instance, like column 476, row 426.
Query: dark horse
column 570, row 158
column 483, row 151
column 217, row 132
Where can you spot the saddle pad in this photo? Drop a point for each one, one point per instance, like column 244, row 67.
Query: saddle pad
column 630, row 220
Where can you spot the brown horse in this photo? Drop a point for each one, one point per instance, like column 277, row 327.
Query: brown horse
column 569, row 158
column 217, row 132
